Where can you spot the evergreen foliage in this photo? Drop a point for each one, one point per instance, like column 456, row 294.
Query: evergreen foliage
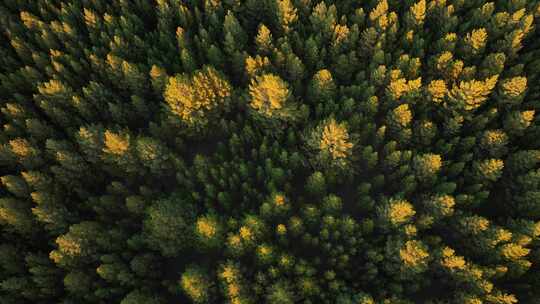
column 269, row 151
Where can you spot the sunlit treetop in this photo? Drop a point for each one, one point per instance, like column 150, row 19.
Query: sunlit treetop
column 399, row 87
column 269, row 96
column 193, row 98
column 471, row 94
column 451, row 261
column 331, row 143
column 437, row 90
column 414, row 254
column 512, row 90
column 195, row 284
column 477, row 39
column 263, row 40
column 400, row 117
column 335, row 140
column 395, row 212
column 116, row 143
column 418, row 11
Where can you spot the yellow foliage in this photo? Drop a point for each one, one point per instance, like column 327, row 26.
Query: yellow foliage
column 514, row 87
column 68, row 246
column 501, row 236
column 257, row 65
column 379, row 10
column 477, row 39
column 411, row 230
column 443, row 205
column 476, row 224
column 191, row 99
column 116, row 143
column 401, row 86
column 206, row 227
column 502, row 298
column 234, row 241
column 491, row 169
column 398, row 87
column 193, row 286
column 21, row 147
column 281, row 229
column 437, row 90
column 229, row 273
column 324, row 81
column 451, row 37
column 418, row 11
column 340, row 34
column 428, row 164
column 264, row 38
column 269, row 93
column 211, row 5
column 287, row 13
column 246, row 233
column 472, row 300
column 279, row 200
column 90, row 18
column 494, row 139
column 400, row 211
column 443, row 60
column 264, row 250
column 409, row 36
column 414, row 84
column 528, row 116
column 233, row 290
column 335, row 140
column 473, row 93
column 513, row 251
column 451, row 261
column 413, row 254
column 401, row 116
column 53, row 87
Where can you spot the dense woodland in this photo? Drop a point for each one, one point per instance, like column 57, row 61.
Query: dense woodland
column 270, row 151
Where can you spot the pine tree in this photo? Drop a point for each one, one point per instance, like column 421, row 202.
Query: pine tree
column 164, row 220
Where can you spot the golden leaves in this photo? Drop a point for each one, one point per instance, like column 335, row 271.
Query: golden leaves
column 414, row 254
column 513, row 88
column 451, row 261
column 191, row 98
column 116, row 143
column 400, row 86
column 401, row 116
column 380, row 10
column 21, row 147
column 269, row 93
column 477, row 39
column 471, row 94
column 335, row 140
column 398, row 211
column 437, row 90
column 206, row 227
column 287, row 13
column 418, row 11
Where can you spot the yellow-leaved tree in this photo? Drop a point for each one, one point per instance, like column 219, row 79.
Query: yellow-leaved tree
column 195, row 99
column 270, row 99
column 470, row 95
column 331, row 143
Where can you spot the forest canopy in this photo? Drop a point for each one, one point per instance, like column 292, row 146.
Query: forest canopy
column 270, row 151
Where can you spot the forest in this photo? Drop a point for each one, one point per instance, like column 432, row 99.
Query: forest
column 269, row 151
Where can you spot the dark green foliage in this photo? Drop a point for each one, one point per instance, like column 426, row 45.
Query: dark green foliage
column 269, row 151
column 167, row 225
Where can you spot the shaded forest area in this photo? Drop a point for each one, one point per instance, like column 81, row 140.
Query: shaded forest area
column 270, row 151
